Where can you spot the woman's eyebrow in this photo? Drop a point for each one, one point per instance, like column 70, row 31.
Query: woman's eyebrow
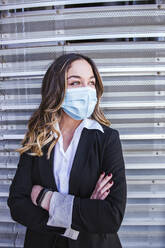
column 76, row 76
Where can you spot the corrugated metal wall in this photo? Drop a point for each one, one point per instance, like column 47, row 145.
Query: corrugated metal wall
column 127, row 41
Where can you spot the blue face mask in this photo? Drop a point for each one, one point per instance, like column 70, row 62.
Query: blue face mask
column 79, row 103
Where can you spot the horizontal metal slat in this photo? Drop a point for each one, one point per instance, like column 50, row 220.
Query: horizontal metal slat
column 89, row 47
column 44, row 3
column 83, row 13
column 112, row 105
column 84, row 34
column 104, row 71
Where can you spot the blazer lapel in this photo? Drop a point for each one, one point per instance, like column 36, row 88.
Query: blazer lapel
column 79, row 162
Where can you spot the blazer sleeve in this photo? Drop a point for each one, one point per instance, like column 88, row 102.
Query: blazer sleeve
column 104, row 216
column 19, row 201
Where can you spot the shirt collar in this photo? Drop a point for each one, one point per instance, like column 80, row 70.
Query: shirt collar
column 92, row 124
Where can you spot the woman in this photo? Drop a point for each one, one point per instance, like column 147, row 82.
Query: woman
column 69, row 189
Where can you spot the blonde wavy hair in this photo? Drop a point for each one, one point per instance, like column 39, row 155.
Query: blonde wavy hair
column 41, row 126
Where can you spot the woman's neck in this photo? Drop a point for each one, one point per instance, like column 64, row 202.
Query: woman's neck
column 68, row 124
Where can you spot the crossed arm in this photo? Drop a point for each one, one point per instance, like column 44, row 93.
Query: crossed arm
column 100, row 192
column 51, row 203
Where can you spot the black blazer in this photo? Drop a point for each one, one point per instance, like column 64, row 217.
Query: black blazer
column 98, row 221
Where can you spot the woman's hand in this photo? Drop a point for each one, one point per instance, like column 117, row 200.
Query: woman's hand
column 46, row 200
column 102, row 187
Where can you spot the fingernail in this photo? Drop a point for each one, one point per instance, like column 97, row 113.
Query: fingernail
column 108, row 191
column 111, row 182
column 110, row 174
column 102, row 172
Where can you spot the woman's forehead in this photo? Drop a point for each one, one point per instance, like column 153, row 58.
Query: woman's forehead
column 81, row 68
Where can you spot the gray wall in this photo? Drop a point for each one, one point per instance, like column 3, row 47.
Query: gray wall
column 126, row 40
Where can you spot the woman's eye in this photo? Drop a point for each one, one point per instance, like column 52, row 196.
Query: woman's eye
column 75, row 83
column 92, row 82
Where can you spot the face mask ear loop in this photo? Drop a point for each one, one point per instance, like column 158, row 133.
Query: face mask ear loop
column 88, row 104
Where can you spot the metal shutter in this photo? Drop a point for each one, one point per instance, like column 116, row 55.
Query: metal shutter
column 126, row 39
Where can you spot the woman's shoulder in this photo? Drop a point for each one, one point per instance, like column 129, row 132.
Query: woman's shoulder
column 110, row 134
column 109, row 130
